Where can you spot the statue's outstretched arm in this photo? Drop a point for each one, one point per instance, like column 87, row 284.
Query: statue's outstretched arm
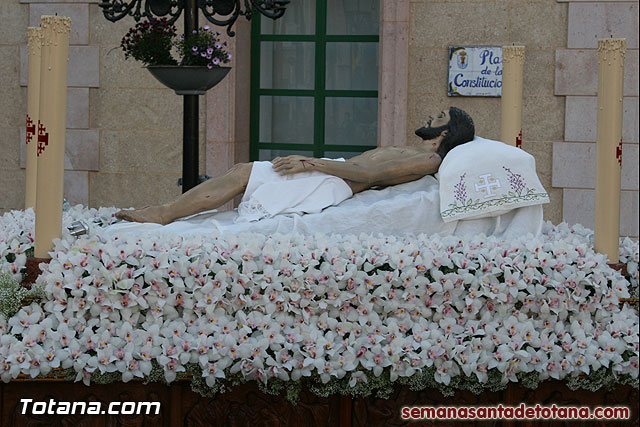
column 365, row 171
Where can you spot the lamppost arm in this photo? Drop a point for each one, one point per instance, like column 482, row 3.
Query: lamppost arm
column 222, row 13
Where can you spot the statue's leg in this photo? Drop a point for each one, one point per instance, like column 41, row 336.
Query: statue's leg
column 208, row 195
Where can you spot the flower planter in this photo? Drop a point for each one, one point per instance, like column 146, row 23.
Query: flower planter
column 188, row 80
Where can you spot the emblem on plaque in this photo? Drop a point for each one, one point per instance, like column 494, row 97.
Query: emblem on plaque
column 463, row 60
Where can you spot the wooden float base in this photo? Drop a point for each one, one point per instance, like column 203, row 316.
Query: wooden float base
column 245, row 405
column 33, row 270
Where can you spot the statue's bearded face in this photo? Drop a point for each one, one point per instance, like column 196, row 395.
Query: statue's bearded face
column 435, row 126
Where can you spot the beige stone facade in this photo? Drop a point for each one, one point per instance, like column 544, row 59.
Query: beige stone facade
column 124, row 138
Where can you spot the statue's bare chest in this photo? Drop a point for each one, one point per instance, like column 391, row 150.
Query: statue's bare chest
column 391, row 153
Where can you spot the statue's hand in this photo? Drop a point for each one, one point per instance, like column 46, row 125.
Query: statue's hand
column 293, row 164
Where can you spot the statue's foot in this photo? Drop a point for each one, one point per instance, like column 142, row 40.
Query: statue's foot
column 146, row 214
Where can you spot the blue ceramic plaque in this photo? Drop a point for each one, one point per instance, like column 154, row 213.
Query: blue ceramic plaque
column 475, row 71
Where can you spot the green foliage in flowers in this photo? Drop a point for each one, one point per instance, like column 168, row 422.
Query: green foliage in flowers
column 150, row 42
column 380, row 387
column 202, row 48
column 13, row 295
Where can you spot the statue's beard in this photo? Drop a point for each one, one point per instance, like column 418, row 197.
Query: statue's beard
column 427, row 133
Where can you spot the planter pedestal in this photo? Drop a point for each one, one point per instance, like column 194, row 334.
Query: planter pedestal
column 190, row 82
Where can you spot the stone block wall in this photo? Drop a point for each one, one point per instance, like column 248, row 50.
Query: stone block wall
column 13, row 103
column 124, row 129
column 82, row 140
column 539, row 25
column 576, row 79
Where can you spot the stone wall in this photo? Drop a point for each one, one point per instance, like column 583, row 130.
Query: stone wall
column 124, row 129
column 576, row 72
column 13, row 103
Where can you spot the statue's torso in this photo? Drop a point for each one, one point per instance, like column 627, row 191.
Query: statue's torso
column 372, row 159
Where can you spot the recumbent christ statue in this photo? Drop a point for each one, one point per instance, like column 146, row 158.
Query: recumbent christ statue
column 313, row 184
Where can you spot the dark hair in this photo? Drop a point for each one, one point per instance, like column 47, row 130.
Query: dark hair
column 461, row 130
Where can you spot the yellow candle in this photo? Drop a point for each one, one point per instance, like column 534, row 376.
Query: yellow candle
column 511, row 103
column 611, row 54
column 34, row 42
column 50, row 132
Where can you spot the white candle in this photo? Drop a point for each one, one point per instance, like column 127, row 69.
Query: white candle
column 611, row 55
column 34, row 43
column 511, row 103
column 50, row 135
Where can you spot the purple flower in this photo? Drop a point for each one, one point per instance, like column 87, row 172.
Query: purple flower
column 203, row 54
column 206, row 27
column 209, row 51
column 460, row 191
column 195, row 31
column 195, row 48
column 216, row 61
column 515, row 181
column 209, row 66
column 217, row 45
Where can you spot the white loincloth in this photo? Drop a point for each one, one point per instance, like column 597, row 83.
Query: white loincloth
column 268, row 193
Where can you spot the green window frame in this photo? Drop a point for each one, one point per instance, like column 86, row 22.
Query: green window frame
column 319, row 92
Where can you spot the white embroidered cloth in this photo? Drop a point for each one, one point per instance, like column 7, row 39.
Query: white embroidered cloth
column 406, row 208
column 268, row 193
column 487, row 178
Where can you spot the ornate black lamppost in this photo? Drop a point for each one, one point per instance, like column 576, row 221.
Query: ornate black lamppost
column 218, row 12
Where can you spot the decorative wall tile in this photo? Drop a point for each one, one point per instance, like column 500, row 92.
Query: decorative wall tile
column 589, row 22
column 76, row 187
column 581, row 119
column 578, row 207
column 84, row 66
column 577, row 72
column 79, row 14
column 574, row 165
column 81, row 150
column 13, row 30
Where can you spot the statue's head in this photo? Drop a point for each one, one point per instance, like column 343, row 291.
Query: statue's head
column 455, row 126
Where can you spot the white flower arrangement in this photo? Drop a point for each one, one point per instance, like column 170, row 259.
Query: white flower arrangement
column 327, row 307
